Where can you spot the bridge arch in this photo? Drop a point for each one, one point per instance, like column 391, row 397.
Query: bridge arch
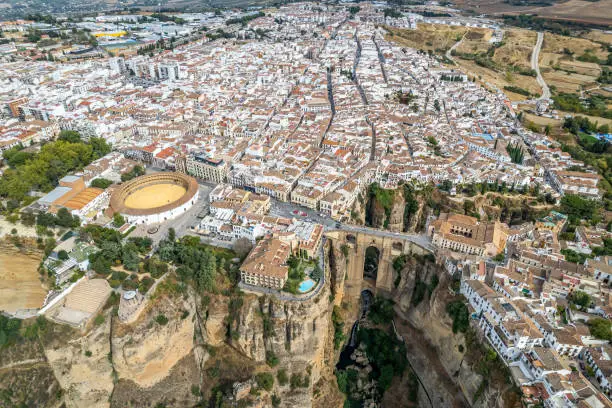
column 371, row 263
column 369, row 258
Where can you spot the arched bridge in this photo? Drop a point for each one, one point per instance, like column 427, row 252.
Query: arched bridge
column 370, row 254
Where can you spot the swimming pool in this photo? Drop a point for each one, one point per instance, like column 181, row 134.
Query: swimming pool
column 306, row 285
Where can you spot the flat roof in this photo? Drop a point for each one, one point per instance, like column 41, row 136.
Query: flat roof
column 69, row 179
column 54, row 195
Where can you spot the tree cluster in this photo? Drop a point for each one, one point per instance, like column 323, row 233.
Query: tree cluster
column 137, row 171
column 516, row 153
column 63, row 218
column 595, row 105
column 43, row 170
column 244, row 19
column 196, row 262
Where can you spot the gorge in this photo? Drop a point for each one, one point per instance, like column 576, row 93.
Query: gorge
column 215, row 349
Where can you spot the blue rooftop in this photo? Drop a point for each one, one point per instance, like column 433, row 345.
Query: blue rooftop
column 485, row 136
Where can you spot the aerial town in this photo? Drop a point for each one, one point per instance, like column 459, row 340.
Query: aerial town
column 286, row 206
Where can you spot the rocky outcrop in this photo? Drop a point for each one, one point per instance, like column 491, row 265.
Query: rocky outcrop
column 146, row 351
column 82, row 367
column 214, row 324
column 295, row 332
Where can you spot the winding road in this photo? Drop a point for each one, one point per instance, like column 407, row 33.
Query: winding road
column 535, row 55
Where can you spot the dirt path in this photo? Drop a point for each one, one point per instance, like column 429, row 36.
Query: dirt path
column 449, row 52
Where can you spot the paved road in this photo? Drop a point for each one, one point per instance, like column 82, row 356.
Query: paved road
column 535, row 55
column 182, row 225
column 419, row 239
column 282, row 209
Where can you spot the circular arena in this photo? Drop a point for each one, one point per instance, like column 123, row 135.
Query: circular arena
column 155, row 198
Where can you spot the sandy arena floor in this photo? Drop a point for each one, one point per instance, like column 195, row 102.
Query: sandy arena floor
column 154, row 196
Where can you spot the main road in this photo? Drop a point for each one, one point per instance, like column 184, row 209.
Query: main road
column 535, row 55
column 183, row 224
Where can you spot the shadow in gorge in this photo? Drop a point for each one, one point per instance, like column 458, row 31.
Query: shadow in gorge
column 370, row 266
column 345, row 356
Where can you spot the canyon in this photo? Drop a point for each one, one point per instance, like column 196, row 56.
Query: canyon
column 208, row 343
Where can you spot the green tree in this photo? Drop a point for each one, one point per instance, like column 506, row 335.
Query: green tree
column 460, row 315
column 600, row 328
column 65, row 219
column 69, row 136
column 62, row 255
column 580, row 298
column 101, row 183
column 118, row 220
column 130, row 257
column 281, row 377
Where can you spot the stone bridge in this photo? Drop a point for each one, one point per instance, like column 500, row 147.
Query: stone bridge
column 382, row 247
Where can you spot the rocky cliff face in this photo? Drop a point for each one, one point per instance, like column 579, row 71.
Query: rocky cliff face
column 434, row 350
column 26, row 377
column 83, row 368
column 203, row 343
column 295, row 332
column 144, row 351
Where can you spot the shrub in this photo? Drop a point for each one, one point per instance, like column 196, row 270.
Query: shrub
column 338, row 323
column 265, row 381
column 88, row 353
column 99, row 320
column 600, row 328
column 161, row 319
column 460, row 314
column 299, row 381
column 281, row 377
column 381, row 311
column 271, row 359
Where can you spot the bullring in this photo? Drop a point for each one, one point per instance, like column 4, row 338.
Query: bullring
column 155, row 198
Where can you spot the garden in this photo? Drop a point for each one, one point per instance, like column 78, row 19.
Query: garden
column 304, row 274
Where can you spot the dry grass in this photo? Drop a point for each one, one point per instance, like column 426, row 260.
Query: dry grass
column 559, row 65
column 584, row 68
column 500, row 79
column 475, row 41
column 20, row 285
column 578, row 10
column 555, row 44
column 567, row 82
column 435, row 37
column 517, row 48
column 599, row 36
column 572, row 10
